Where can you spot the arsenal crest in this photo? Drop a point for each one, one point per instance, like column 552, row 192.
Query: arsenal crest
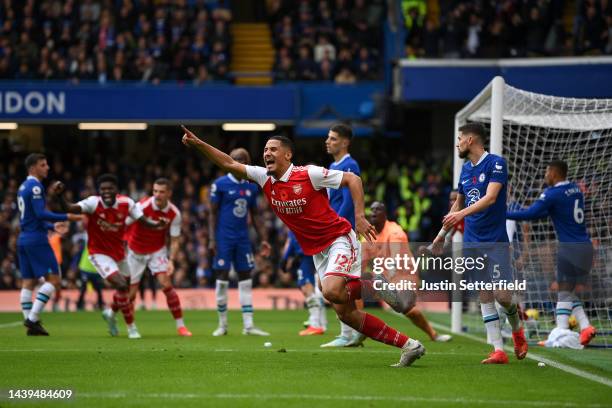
column 297, row 189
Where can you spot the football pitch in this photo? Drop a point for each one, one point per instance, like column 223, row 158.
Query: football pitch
column 163, row 370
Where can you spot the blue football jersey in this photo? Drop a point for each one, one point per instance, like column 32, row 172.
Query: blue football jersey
column 234, row 198
column 34, row 218
column 564, row 203
column 340, row 200
column 488, row 225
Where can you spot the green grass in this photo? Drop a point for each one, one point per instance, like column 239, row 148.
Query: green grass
column 164, row 370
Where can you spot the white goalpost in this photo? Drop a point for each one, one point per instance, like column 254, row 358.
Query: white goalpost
column 529, row 130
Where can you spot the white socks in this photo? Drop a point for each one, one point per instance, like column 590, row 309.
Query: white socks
column 564, row 309
column 26, row 302
column 314, row 313
column 245, row 294
column 346, row 330
column 578, row 311
column 221, row 294
column 491, row 321
column 45, row 293
column 179, row 323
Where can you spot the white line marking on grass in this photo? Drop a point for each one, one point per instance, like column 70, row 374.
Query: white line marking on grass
column 533, row 356
column 7, row 325
column 389, row 351
column 319, row 397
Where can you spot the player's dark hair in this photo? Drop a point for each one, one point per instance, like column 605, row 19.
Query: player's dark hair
column 162, row 181
column 285, row 142
column 107, row 177
column 475, row 129
column 33, row 158
column 560, row 166
column 342, row 130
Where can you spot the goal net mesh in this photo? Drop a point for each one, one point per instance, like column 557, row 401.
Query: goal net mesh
column 536, row 130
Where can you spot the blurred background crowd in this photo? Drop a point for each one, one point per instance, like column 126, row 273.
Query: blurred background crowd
column 190, row 41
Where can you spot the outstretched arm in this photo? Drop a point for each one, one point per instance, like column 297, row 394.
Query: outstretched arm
column 224, row 161
column 539, row 209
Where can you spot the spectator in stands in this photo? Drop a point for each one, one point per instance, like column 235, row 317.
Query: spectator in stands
column 306, row 68
column 345, row 76
column 284, row 70
column 324, row 49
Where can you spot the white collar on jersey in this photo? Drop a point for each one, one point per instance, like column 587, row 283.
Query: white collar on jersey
column 285, row 177
column 342, row 159
column 156, row 208
column 562, row 183
column 32, row 178
column 234, row 179
column 116, row 205
column 485, row 154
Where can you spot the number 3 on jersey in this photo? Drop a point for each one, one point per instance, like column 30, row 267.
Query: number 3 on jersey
column 240, row 207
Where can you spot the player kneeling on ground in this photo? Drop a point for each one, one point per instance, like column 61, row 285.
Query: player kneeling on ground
column 107, row 216
column 147, row 247
column 298, row 197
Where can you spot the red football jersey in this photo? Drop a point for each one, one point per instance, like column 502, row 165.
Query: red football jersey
column 106, row 225
column 144, row 240
column 300, row 200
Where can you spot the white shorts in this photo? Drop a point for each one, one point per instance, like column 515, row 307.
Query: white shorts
column 341, row 258
column 105, row 265
column 157, row 263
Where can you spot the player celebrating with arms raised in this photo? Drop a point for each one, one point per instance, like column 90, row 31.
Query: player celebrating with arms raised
column 36, row 258
column 564, row 203
column 297, row 195
column 481, row 200
column 147, row 247
column 107, row 216
column 231, row 201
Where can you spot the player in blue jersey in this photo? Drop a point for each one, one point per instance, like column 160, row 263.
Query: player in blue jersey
column 337, row 144
column 293, row 259
column 231, row 202
column 481, row 200
column 36, row 258
column 564, row 203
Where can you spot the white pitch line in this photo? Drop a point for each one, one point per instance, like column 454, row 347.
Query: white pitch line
column 7, row 325
column 320, row 397
column 533, row 356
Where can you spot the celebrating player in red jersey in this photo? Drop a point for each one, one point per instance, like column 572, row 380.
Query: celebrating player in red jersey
column 298, row 196
column 147, row 247
column 107, row 215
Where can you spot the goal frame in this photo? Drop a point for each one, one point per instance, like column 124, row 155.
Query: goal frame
column 495, row 92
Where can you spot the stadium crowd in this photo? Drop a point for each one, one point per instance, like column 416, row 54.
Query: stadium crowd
column 506, row 29
column 414, row 189
column 337, row 41
column 112, row 41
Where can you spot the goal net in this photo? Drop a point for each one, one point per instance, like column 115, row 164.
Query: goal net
column 529, row 130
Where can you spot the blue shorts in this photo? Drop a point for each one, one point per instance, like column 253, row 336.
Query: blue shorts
column 240, row 254
column 36, row 261
column 574, row 262
column 491, row 262
column 305, row 271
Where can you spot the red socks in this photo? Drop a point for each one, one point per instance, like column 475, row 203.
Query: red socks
column 122, row 301
column 378, row 330
column 174, row 303
column 357, row 289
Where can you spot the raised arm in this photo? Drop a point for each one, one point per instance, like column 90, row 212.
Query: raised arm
column 222, row 160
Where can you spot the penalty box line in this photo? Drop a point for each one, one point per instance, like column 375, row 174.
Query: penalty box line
column 533, row 356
